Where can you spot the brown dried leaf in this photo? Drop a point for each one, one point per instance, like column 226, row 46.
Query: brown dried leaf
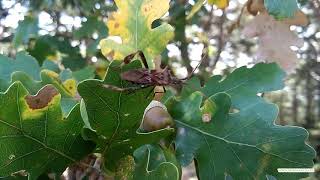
column 299, row 19
column 254, row 6
column 275, row 40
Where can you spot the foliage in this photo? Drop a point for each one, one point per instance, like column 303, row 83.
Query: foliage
column 250, row 141
column 275, row 36
column 154, row 162
column 219, row 3
column 26, row 28
column 132, row 22
column 281, row 9
column 35, row 137
column 115, row 117
column 54, row 48
column 22, row 63
column 56, row 110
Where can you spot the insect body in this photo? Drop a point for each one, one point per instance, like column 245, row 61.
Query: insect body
column 153, row 78
column 147, row 78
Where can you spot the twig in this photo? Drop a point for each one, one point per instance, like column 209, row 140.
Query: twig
column 221, row 40
column 236, row 24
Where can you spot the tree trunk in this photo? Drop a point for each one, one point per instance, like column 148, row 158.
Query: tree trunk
column 295, row 102
column 318, row 117
column 281, row 110
column 309, row 95
column 179, row 21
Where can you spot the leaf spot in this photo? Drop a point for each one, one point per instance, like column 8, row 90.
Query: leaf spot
column 12, row 156
column 116, row 25
column 42, row 99
column 206, row 118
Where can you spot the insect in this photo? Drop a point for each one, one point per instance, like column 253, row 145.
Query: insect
column 147, row 78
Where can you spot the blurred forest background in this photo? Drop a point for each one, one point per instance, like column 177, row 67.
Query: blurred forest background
column 67, row 32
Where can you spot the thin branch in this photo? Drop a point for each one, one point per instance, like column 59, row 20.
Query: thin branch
column 221, row 40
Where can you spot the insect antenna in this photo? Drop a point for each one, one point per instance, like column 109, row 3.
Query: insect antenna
column 128, row 58
column 204, row 55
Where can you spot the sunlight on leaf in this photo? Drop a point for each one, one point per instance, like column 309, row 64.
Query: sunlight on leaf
column 132, row 23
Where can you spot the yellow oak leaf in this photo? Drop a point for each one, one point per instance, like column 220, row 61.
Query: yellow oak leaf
column 221, row 4
column 133, row 24
column 70, row 86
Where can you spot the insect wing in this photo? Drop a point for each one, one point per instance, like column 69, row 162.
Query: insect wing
column 139, row 76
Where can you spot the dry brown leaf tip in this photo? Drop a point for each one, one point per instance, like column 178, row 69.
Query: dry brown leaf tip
column 255, row 6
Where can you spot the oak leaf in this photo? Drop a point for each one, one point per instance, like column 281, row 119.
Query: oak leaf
column 275, row 41
column 133, row 24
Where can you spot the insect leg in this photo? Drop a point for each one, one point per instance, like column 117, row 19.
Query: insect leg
column 128, row 58
column 119, row 89
column 133, row 89
column 164, row 89
column 159, row 93
column 151, row 92
column 144, row 60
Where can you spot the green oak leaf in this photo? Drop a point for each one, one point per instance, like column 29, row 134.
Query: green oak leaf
column 116, row 116
column 34, row 136
column 243, row 84
column 91, row 26
column 3, row 85
column 23, row 62
column 133, row 24
column 245, row 144
column 281, row 9
column 26, row 28
column 56, row 48
column 50, row 65
column 153, row 162
column 67, row 89
column 86, row 73
column 195, row 8
column 27, row 70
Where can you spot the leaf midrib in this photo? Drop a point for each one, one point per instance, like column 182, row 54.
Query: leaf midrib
column 237, row 143
column 23, row 134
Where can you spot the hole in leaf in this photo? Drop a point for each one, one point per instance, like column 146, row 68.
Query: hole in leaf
column 156, row 23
